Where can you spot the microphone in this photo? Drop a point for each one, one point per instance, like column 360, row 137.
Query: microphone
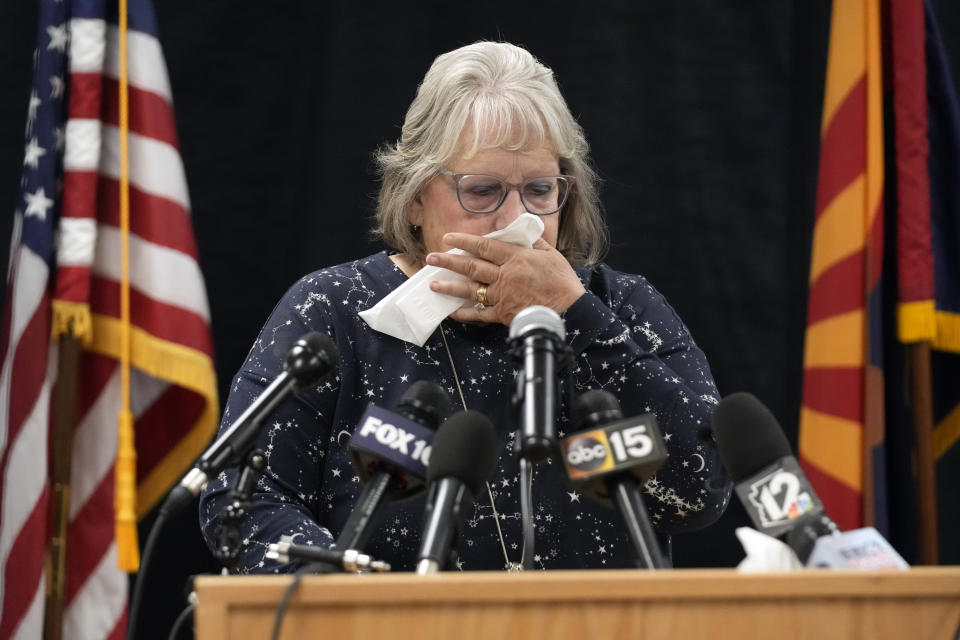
column 309, row 360
column 537, row 341
column 390, row 452
column 464, row 456
column 609, row 459
column 349, row 560
column 778, row 496
column 775, row 492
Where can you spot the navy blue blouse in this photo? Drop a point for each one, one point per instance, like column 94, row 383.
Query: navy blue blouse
column 625, row 338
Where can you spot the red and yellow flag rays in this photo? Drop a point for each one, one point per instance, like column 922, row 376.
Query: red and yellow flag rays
column 840, row 420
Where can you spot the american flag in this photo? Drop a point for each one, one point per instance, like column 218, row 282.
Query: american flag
column 65, row 265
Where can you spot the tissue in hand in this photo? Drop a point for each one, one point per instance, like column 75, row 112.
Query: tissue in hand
column 412, row 312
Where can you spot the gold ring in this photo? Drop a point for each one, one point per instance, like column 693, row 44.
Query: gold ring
column 481, row 298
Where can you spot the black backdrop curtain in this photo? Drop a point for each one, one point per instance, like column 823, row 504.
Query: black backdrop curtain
column 703, row 117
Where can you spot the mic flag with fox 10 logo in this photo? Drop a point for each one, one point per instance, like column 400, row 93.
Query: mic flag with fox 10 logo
column 386, row 439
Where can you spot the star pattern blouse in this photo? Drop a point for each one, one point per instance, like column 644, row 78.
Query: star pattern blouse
column 624, row 337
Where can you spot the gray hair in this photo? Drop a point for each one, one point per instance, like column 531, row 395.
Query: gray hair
column 507, row 99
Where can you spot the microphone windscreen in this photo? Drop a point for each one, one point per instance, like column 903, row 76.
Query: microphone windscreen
column 748, row 435
column 427, row 401
column 465, row 448
column 321, row 344
column 593, row 408
column 537, row 318
column 310, row 358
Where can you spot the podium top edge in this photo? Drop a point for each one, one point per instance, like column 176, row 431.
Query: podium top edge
column 584, row 586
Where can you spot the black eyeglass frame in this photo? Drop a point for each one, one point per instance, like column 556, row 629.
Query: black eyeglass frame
column 457, row 177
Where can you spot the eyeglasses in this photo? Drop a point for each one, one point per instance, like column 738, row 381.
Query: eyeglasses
column 481, row 194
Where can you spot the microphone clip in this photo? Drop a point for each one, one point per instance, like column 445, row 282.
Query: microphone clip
column 228, row 532
column 349, row 560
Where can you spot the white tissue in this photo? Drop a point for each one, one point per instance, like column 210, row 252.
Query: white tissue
column 412, row 312
column 765, row 553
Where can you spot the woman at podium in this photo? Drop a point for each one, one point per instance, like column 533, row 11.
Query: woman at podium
column 488, row 140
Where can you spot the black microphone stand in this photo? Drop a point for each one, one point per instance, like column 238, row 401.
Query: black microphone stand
column 374, row 498
column 536, row 437
column 310, row 358
column 228, row 531
column 647, row 552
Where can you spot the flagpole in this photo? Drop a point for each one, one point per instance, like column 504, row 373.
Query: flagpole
column 128, row 553
column 921, row 382
column 64, row 419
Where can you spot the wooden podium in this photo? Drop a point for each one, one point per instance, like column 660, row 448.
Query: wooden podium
column 917, row 604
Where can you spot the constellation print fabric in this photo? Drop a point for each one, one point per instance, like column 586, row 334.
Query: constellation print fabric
column 625, row 338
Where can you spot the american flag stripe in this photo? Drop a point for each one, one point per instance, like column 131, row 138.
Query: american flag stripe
column 79, row 195
column 24, row 499
column 100, row 609
column 155, row 167
column 28, row 389
column 146, row 67
column 33, row 618
column 19, row 394
column 24, row 568
column 94, row 49
column 166, row 275
column 97, row 370
column 27, row 291
column 162, row 220
column 90, row 436
column 99, row 396
column 79, row 237
column 85, row 102
column 184, row 326
column 163, row 427
column 29, row 332
column 83, row 146
column 162, row 320
column 90, row 529
column 149, row 113
column 173, row 384
column 87, row 47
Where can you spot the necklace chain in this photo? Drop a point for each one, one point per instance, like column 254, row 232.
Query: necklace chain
column 510, row 566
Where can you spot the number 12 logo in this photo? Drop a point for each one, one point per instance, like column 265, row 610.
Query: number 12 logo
column 778, row 498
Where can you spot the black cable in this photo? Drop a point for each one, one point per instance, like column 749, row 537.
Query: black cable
column 315, row 567
column 185, row 615
column 139, row 587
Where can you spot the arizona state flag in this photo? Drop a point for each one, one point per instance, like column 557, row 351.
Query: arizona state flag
column 841, row 422
column 843, row 427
